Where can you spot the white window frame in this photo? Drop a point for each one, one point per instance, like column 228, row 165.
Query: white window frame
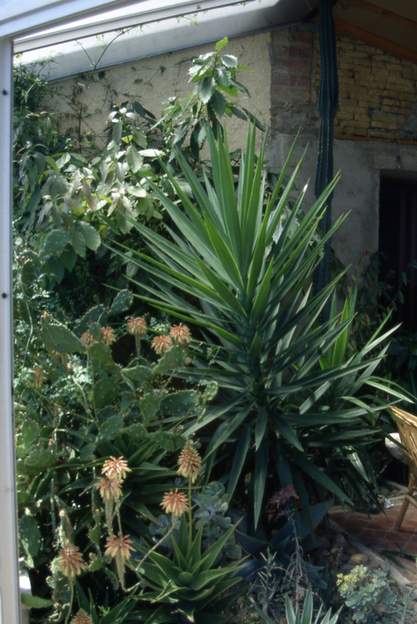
column 16, row 18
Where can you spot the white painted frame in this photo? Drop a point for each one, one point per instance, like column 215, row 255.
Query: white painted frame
column 104, row 23
column 24, row 16
column 9, row 589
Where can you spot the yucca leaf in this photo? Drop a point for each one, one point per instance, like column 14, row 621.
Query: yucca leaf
column 286, row 431
column 381, row 384
column 261, row 424
column 320, row 477
column 259, row 479
column 226, row 430
column 239, row 460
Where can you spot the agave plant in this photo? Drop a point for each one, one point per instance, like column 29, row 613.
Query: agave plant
column 189, row 585
column 238, row 262
column 306, row 615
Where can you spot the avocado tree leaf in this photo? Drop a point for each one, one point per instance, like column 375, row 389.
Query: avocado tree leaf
column 55, row 242
column 91, row 236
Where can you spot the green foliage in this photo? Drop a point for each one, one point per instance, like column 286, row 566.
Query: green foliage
column 80, row 401
column 123, row 613
column 33, row 602
column 269, row 586
column 77, row 406
column 306, row 614
column 59, row 338
column 216, row 86
column 68, row 202
column 284, row 403
column 368, row 594
column 211, row 513
column 189, row 582
column 239, row 264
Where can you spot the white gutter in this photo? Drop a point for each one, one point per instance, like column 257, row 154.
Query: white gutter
column 18, row 17
column 147, row 11
column 162, row 36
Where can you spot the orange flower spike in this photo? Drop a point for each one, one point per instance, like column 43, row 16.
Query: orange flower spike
column 180, row 334
column 71, row 562
column 119, row 547
column 87, row 339
column 108, row 335
column 161, row 344
column 82, row 618
column 175, row 503
column 110, row 489
column 189, row 463
column 115, row 468
column 137, row 326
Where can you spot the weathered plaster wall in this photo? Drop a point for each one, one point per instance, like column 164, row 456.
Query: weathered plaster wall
column 85, row 102
column 376, row 110
column 361, row 164
column 376, row 128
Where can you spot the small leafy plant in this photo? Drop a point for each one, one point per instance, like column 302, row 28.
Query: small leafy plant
column 216, row 87
column 367, row 593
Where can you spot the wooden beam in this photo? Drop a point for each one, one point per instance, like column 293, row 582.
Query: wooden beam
column 345, row 27
column 383, row 12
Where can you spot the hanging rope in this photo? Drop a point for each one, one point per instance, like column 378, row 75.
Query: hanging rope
column 328, row 104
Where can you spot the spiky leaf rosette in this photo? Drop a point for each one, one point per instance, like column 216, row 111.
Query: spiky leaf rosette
column 239, row 263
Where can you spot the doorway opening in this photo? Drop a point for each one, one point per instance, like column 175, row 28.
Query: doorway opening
column 398, row 247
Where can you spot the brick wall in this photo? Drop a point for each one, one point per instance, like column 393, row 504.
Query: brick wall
column 292, row 67
column 378, row 92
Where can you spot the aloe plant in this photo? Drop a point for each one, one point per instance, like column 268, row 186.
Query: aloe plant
column 306, row 615
column 238, row 262
column 191, row 584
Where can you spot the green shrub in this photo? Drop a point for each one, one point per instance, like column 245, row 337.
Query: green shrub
column 239, row 264
column 368, row 595
column 69, row 200
column 78, row 406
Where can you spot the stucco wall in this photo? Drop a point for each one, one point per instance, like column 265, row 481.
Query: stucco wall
column 83, row 103
column 361, row 164
column 381, row 145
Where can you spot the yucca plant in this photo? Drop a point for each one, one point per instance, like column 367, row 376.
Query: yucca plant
column 306, row 614
column 238, row 262
column 351, row 464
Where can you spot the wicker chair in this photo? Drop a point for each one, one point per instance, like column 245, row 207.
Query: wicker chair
column 407, row 427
